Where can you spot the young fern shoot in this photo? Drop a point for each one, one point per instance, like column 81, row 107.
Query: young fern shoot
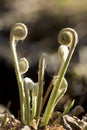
column 19, row 32
column 67, row 37
column 30, row 88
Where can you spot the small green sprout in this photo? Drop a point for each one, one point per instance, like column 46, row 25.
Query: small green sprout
column 69, row 38
column 68, row 108
column 31, row 94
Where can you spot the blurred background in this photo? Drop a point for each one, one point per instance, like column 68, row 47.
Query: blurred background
column 44, row 19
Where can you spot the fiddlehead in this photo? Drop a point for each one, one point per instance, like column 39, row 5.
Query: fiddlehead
column 18, row 32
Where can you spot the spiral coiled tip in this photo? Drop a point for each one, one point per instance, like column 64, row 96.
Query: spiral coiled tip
column 19, row 31
column 23, row 65
column 28, row 83
column 67, row 36
column 63, row 53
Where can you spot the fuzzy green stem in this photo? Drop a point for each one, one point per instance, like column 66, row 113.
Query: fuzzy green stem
column 51, row 103
column 19, row 80
column 40, row 85
column 34, row 102
column 27, row 106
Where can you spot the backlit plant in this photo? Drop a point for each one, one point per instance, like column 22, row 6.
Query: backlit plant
column 31, row 94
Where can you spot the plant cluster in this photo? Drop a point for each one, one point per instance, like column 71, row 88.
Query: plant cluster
column 31, row 94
